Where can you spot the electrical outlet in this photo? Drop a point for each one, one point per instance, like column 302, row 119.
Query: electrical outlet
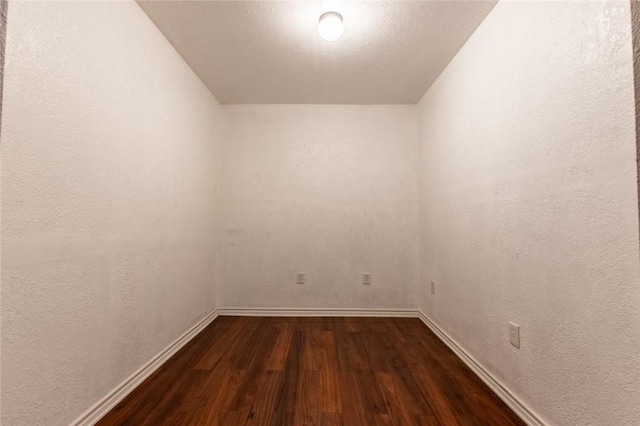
column 366, row 278
column 514, row 335
column 433, row 287
column 300, row 278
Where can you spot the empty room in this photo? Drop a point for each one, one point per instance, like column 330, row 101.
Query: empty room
column 327, row 212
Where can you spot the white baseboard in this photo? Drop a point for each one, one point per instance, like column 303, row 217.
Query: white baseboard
column 315, row 312
column 106, row 404
column 518, row 407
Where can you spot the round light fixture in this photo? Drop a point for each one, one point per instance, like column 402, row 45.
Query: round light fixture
column 330, row 26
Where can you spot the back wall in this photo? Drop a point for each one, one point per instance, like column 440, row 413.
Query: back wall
column 329, row 190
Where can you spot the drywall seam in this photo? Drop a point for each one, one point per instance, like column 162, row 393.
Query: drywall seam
column 3, row 37
column 4, row 4
column 109, row 401
column 219, row 277
column 315, row 312
column 518, row 407
column 635, row 37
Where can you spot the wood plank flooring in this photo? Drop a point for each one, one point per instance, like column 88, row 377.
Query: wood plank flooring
column 313, row 371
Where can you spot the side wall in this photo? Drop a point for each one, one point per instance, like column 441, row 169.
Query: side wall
column 329, row 190
column 109, row 152
column 529, row 207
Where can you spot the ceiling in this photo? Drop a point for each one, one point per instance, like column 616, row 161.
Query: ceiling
column 269, row 52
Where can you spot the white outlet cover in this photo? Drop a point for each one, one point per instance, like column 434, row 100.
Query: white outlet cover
column 433, row 287
column 514, row 334
column 300, row 278
column 366, row 278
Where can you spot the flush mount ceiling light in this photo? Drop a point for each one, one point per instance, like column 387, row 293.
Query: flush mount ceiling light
column 330, row 26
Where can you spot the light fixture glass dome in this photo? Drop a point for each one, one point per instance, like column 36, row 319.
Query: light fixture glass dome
column 330, row 26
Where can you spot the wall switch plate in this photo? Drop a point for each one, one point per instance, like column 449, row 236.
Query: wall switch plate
column 300, row 278
column 433, row 287
column 514, row 335
column 366, row 278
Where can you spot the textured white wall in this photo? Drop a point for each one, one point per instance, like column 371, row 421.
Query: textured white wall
column 329, row 190
column 109, row 162
column 529, row 207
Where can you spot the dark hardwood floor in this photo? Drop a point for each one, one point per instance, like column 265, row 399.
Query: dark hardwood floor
column 313, row 371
